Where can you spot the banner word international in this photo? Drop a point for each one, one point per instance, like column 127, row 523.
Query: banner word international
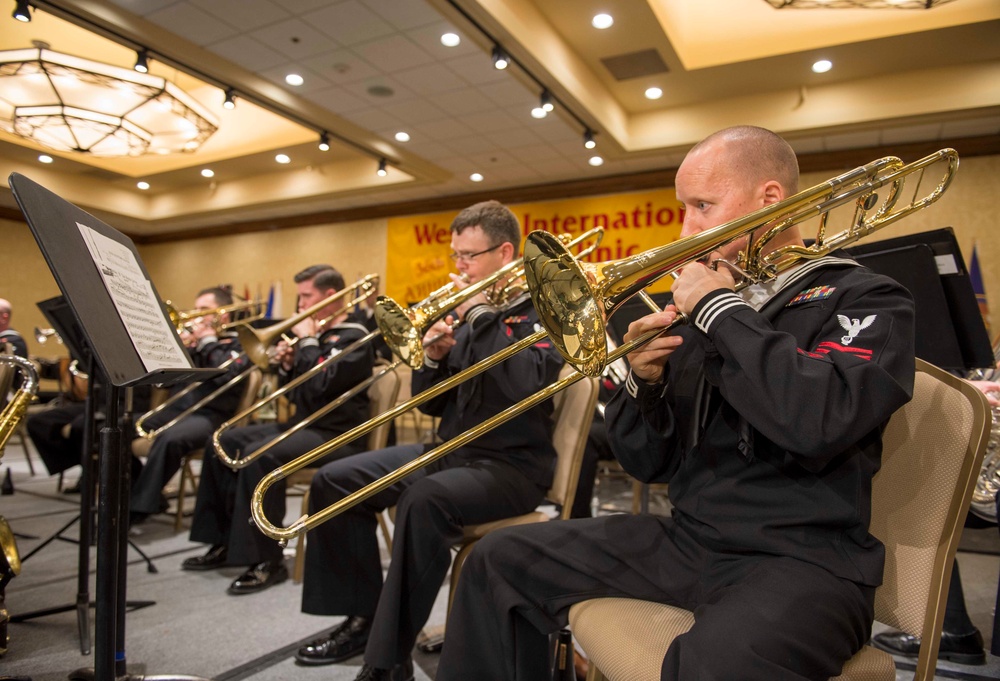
column 419, row 245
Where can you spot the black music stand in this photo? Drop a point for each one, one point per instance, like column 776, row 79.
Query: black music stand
column 125, row 324
column 60, row 316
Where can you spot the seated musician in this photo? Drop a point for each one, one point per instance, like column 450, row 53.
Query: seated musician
column 209, row 348
column 500, row 475
column 765, row 416
column 222, row 510
column 7, row 334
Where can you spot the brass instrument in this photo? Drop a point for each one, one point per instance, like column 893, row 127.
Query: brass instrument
column 17, row 408
column 183, row 319
column 559, row 285
column 43, row 335
column 256, row 341
column 988, row 483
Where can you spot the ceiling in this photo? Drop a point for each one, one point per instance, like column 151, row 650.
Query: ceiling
column 373, row 68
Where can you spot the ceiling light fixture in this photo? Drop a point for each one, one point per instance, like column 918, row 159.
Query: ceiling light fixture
column 476, row 177
column 822, row 66
column 282, row 158
column 596, row 161
column 653, row 93
column 324, row 141
column 68, row 103
column 381, row 172
column 45, row 158
column 143, row 185
column 602, row 21
column 588, row 139
column 208, row 172
column 22, row 11
column 141, row 62
column 451, row 40
column 855, row 4
column 500, row 59
column 402, row 136
column 547, row 101
column 230, row 101
column 294, row 79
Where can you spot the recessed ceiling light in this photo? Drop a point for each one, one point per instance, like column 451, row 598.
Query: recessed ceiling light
column 596, row 161
column 602, row 21
column 450, row 40
column 208, row 172
column 476, row 177
column 45, row 158
column 294, row 79
column 653, row 93
column 142, row 185
column 539, row 112
column 822, row 66
column 282, row 158
column 402, row 136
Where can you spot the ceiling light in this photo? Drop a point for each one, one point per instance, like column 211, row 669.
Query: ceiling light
column 476, row 177
column 856, row 4
column 324, row 142
column 547, row 101
column 282, row 158
column 230, row 101
column 602, row 21
column 402, row 136
column 141, row 62
column 69, row 103
column 207, row 172
column 500, row 60
column 653, row 93
column 381, row 172
column 45, row 158
column 142, row 185
column 22, row 11
column 294, row 79
column 588, row 139
column 450, row 40
column 596, row 161
column 822, row 66
column 539, row 112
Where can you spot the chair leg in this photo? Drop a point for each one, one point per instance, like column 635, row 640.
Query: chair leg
column 21, row 429
column 179, row 513
column 299, row 566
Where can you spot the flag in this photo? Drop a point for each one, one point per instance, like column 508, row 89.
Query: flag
column 276, row 309
column 976, row 277
column 270, row 303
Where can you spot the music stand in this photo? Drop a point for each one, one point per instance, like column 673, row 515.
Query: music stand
column 127, row 330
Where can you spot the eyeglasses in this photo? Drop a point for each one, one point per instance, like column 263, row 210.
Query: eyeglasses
column 469, row 257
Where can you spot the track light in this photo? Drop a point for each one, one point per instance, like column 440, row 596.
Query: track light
column 588, row 139
column 324, row 142
column 230, row 100
column 381, row 168
column 22, row 11
column 141, row 62
column 547, row 101
column 500, row 59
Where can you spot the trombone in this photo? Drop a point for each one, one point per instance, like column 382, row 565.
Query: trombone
column 410, row 322
column 43, row 335
column 549, row 272
column 183, row 319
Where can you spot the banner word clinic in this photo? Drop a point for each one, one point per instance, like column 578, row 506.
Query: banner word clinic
column 640, row 217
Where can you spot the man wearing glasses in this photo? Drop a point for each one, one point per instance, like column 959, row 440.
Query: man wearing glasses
column 504, row 473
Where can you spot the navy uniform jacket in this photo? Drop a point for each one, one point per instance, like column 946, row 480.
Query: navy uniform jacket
column 212, row 352
column 526, row 440
column 768, row 426
column 333, row 381
column 16, row 341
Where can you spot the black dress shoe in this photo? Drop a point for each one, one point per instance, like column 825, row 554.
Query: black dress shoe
column 214, row 558
column 400, row 672
column 259, row 577
column 344, row 642
column 961, row 649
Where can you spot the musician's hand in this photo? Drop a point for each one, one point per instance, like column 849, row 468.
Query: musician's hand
column 203, row 327
column 991, row 389
column 648, row 361
column 188, row 339
column 696, row 281
column 440, row 348
column 307, row 327
column 284, row 354
column 478, row 299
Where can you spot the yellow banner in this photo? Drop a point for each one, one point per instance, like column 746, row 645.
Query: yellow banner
column 419, row 245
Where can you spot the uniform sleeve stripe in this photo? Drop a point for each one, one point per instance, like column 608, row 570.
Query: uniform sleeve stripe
column 708, row 314
column 630, row 385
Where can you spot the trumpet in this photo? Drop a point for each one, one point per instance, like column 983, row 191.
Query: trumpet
column 43, row 335
column 555, row 288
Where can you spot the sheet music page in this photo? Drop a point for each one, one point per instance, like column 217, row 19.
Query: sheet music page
column 153, row 337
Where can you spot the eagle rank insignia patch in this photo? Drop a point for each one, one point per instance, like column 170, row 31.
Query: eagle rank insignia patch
column 853, row 327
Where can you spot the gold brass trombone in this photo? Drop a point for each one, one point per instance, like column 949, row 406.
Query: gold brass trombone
column 43, row 335
column 546, row 270
column 256, row 341
column 425, row 313
column 181, row 319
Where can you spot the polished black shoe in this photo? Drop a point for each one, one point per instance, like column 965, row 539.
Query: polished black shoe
column 961, row 649
column 215, row 558
column 259, row 577
column 344, row 642
column 400, row 672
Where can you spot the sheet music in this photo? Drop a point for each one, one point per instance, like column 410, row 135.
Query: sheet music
column 153, row 337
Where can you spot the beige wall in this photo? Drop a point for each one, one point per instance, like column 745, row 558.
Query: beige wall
column 180, row 269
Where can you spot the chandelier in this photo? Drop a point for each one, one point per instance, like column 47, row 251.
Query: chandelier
column 856, row 4
column 69, row 103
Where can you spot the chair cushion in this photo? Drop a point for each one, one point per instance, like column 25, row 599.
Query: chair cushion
column 141, row 446
column 477, row 532
column 868, row 664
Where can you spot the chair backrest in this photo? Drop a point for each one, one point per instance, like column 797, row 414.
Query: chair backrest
column 382, row 396
column 932, row 452
column 251, row 387
column 574, row 411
